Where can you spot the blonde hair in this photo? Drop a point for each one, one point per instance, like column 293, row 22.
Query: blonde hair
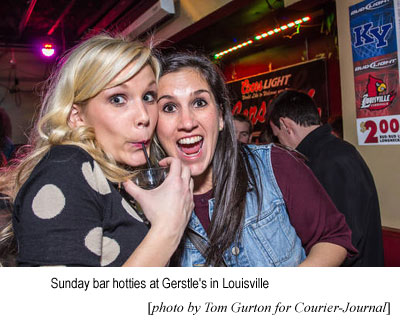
column 81, row 74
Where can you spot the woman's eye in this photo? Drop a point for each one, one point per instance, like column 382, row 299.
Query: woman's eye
column 150, row 96
column 199, row 103
column 168, row 108
column 118, row 100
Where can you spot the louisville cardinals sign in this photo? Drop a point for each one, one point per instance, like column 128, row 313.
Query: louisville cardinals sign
column 376, row 97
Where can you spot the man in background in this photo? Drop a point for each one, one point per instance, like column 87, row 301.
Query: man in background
column 295, row 120
column 243, row 128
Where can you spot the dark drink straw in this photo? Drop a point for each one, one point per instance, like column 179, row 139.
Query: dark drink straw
column 147, row 157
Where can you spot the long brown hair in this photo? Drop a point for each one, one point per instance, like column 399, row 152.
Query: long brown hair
column 234, row 175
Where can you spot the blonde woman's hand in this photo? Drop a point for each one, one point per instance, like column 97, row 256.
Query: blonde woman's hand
column 169, row 206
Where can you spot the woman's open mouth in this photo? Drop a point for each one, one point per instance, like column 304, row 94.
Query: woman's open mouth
column 190, row 146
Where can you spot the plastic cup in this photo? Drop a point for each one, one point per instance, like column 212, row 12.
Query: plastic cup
column 150, row 178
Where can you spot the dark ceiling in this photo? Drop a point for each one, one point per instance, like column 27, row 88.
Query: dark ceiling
column 25, row 22
column 253, row 18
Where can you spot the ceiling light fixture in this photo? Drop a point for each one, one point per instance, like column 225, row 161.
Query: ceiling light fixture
column 263, row 35
column 48, row 50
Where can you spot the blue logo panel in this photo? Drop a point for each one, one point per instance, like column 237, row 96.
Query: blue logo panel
column 373, row 29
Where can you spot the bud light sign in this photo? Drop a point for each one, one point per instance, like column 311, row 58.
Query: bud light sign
column 252, row 95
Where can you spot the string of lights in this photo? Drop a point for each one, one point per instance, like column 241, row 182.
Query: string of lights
column 263, row 35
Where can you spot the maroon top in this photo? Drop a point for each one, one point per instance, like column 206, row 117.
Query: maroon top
column 201, row 208
column 297, row 186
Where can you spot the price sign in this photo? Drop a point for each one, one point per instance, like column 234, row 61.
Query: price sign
column 379, row 130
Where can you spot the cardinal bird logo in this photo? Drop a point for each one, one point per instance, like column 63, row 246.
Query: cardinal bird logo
column 375, row 97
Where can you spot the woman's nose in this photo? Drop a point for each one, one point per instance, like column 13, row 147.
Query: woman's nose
column 142, row 118
column 188, row 120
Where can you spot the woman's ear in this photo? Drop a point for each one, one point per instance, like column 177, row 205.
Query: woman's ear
column 221, row 122
column 76, row 117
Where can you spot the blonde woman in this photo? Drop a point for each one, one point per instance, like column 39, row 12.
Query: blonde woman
column 98, row 109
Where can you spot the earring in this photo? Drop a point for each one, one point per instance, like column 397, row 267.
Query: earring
column 221, row 128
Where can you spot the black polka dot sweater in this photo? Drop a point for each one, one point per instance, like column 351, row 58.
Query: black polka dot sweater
column 68, row 213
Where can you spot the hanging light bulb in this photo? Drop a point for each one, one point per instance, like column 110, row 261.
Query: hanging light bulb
column 48, row 49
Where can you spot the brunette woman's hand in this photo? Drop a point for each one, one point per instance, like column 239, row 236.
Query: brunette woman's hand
column 169, row 206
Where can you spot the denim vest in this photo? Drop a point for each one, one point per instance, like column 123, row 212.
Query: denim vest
column 268, row 239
